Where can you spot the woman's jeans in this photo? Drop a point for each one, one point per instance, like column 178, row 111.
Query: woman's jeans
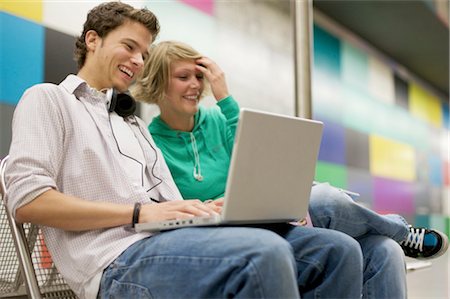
column 280, row 261
column 384, row 266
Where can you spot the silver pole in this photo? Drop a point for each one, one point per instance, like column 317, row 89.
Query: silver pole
column 302, row 37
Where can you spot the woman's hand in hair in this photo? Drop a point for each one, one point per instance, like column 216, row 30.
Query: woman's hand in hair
column 215, row 77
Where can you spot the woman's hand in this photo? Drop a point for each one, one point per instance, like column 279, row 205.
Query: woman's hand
column 215, row 77
column 176, row 209
column 215, row 204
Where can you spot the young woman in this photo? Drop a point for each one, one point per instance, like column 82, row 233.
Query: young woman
column 197, row 144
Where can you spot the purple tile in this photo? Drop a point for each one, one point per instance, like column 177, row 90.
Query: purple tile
column 392, row 196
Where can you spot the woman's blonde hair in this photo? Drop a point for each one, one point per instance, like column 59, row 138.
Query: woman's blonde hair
column 150, row 87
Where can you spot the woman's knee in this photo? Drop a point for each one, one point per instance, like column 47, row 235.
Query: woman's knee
column 326, row 199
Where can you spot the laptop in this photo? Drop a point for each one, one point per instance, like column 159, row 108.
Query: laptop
column 270, row 175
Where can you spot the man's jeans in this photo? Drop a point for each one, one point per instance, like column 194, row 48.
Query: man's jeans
column 384, row 266
column 239, row 262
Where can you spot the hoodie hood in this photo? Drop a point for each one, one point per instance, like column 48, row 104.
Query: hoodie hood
column 159, row 127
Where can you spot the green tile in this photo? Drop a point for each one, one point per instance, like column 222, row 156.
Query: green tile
column 439, row 222
column 357, row 109
column 422, row 220
column 355, row 66
column 435, row 221
column 334, row 174
column 448, row 227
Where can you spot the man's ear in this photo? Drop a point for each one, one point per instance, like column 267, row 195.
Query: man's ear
column 92, row 39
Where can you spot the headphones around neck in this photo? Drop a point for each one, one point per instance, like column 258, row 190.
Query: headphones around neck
column 122, row 103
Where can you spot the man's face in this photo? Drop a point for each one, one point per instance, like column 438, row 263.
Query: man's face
column 119, row 57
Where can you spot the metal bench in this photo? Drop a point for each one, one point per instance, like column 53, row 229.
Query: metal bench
column 26, row 267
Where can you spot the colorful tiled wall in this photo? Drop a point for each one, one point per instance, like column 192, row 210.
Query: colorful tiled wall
column 30, row 53
column 385, row 136
column 37, row 42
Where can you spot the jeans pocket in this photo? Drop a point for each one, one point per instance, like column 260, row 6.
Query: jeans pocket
column 120, row 290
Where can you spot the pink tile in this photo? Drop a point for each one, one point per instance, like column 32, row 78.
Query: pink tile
column 447, row 173
column 206, row 6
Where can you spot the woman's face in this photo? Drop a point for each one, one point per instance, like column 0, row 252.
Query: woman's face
column 184, row 88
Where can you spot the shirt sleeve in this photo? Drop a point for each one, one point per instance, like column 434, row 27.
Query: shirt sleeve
column 230, row 109
column 36, row 147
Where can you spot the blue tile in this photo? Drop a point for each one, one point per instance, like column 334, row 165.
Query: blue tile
column 332, row 148
column 436, row 170
column 327, row 53
column 446, row 116
column 21, row 56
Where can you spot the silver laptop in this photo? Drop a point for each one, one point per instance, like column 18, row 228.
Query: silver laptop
column 270, row 175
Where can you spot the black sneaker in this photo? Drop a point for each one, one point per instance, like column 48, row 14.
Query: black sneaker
column 423, row 243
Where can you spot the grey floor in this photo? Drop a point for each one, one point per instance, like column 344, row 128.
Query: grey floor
column 431, row 282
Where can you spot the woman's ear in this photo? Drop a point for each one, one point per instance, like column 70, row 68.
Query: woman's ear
column 91, row 39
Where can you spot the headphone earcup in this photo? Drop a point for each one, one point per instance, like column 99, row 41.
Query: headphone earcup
column 123, row 104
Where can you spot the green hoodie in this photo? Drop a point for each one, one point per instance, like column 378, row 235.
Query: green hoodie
column 213, row 133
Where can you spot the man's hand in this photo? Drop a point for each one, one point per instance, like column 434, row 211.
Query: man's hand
column 177, row 209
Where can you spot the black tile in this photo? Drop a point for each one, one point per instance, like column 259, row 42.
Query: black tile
column 357, row 149
column 6, row 114
column 401, row 92
column 59, row 58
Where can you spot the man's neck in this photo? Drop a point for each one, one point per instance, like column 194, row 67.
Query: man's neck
column 86, row 74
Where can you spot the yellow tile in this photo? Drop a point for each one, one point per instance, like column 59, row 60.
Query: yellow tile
column 392, row 159
column 424, row 105
column 29, row 9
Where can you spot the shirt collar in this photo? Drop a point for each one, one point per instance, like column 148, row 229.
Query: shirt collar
column 72, row 82
column 79, row 87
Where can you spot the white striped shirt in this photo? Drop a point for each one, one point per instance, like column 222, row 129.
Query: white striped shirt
column 63, row 139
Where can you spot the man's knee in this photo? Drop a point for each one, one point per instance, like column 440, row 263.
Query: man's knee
column 346, row 246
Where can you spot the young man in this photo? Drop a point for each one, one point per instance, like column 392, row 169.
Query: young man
column 85, row 171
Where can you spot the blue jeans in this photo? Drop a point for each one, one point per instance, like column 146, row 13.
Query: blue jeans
column 384, row 266
column 238, row 262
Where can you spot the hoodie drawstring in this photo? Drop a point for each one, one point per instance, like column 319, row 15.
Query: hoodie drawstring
column 197, row 168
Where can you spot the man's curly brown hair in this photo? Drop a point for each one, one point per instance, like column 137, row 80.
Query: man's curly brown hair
column 106, row 17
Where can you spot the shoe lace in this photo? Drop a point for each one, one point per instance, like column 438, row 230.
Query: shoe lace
column 415, row 238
